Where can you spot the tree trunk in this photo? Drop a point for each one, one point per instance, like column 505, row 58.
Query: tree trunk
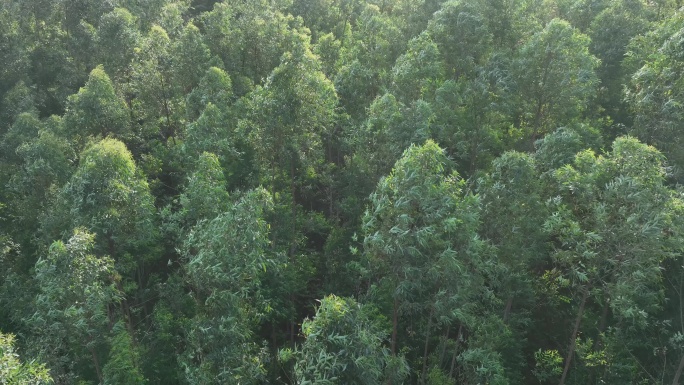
column 96, row 362
column 507, row 310
column 444, row 340
column 427, row 344
column 126, row 313
column 602, row 323
column 679, row 372
column 395, row 326
column 573, row 338
column 293, row 207
column 453, row 357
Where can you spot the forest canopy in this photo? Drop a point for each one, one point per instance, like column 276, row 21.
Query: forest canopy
column 340, row 192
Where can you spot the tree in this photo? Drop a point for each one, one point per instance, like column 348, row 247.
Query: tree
column 73, row 305
column 423, row 250
column 345, row 345
column 205, row 195
column 559, row 148
column 461, row 33
column 25, row 128
column 656, row 99
column 611, row 30
column 513, row 206
column 109, row 197
column 191, row 58
column 46, row 164
column 368, row 53
column 13, row 50
column 215, row 87
column 418, row 72
column 123, row 365
column 18, row 100
column 472, row 115
column 158, row 103
column 608, row 227
column 226, row 258
column 555, row 75
column 211, row 132
column 291, row 117
column 116, row 39
column 97, row 111
column 15, row 372
column 250, row 38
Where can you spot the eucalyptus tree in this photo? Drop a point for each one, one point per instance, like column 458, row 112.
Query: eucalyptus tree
column 148, row 13
column 124, row 362
column 97, row 111
column 115, row 41
column 426, row 259
column 559, row 148
column 610, row 33
column 368, row 52
column 214, row 87
column 250, row 38
column 656, row 99
column 158, row 100
column 191, row 58
column 345, row 344
column 46, row 164
column 609, row 228
column 19, row 99
column 23, row 130
column 556, row 79
column 419, row 71
column 472, row 115
column 15, row 372
column 205, row 195
column 327, row 16
column 226, row 259
column 390, row 129
column 109, row 197
column 211, row 132
column 14, row 52
column 291, row 118
column 73, row 306
column 513, row 207
column 462, row 35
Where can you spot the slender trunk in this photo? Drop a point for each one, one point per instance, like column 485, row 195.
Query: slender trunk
column 573, row 338
column 427, row 344
column 167, row 109
column 293, row 207
column 292, row 321
column 395, row 326
column 540, row 100
column 598, row 344
column 126, row 313
column 681, row 299
column 507, row 309
column 110, row 317
column 96, row 362
column 679, row 372
column 474, row 143
column 537, row 122
column 603, row 322
column 453, row 357
column 444, row 340
column 125, row 309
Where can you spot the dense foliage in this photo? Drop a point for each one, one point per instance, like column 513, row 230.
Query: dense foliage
column 341, row 192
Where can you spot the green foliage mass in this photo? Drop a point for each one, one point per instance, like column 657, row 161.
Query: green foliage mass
column 419, row 192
